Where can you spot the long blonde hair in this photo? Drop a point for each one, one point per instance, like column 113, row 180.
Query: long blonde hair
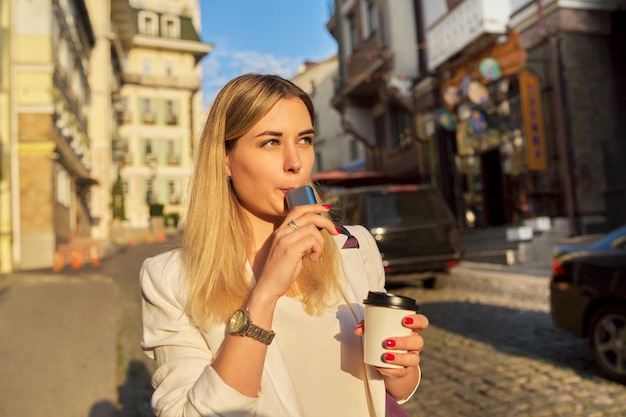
column 216, row 236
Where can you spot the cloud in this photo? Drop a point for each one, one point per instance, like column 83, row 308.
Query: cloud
column 221, row 66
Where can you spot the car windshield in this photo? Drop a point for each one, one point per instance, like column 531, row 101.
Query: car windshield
column 407, row 209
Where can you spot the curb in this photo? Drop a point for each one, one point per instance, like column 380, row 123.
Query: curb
column 500, row 280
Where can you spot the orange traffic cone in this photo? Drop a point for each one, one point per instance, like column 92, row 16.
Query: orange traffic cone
column 148, row 237
column 77, row 258
column 93, row 254
column 160, row 236
column 133, row 241
column 58, row 263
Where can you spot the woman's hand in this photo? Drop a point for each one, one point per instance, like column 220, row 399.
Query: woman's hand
column 298, row 236
column 400, row 382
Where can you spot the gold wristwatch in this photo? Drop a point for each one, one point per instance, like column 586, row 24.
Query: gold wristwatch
column 241, row 325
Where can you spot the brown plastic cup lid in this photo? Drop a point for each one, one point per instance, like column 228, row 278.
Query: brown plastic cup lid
column 385, row 299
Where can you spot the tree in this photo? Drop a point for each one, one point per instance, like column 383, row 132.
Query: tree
column 117, row 200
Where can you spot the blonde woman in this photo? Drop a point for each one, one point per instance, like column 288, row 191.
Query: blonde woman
column 249, row 316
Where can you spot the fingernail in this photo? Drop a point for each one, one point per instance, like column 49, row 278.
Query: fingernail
column 390, row 343
column 389, row 357
column 338, row 230
column 327, row 206
column 408, row 320
column 358, row 326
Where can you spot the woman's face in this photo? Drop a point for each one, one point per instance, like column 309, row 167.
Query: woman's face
column 274, row 156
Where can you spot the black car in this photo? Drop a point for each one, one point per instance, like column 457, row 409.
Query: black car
column 588, row 296
column 412, row 225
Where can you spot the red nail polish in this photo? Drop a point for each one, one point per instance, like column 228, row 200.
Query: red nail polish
column 390, row 343
column 389, row 357
column 327, row 206
column 338, row 230
column 408, row 320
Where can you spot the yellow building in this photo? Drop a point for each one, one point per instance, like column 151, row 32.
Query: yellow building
column 159, row 107
column 48, row 152
column 112, row 29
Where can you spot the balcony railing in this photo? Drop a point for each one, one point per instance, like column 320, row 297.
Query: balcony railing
column 191, row 82
column 148, row 118
column 173, row 159
column 463, row 25
column 171, row 119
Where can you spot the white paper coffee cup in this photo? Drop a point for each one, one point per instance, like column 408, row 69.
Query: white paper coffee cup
column 383, row 320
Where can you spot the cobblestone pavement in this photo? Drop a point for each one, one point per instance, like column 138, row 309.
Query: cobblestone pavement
column 491, row 350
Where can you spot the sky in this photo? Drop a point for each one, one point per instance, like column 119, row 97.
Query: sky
column 262, row 36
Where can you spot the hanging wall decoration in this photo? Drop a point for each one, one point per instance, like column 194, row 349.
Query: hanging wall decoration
column 465, row 82
column 477, row 93
column 451, row 96
column 490, row 69
column 477, row 121
column 446, row 119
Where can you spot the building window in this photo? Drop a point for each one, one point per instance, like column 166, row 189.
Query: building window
column 174, row 195
column 400, row 132
column 170, row 27
column 173, row 155
column 150, row 198
column 170, row 113
column 353, row 35
column 370, row 18
column 125, row 110
column 148, row 151
column 169, row 69
column 146, row 67
column 148, row 113
column 148, row 23
column 354, row 149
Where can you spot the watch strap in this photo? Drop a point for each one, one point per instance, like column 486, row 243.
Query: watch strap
column 257, row 333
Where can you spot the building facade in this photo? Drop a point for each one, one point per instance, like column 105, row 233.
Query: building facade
column 63, row 64
column 47, row 157
column 335, row 149
column 159, row 107
column 514, row 105
column 6, row 142
column 378, row 61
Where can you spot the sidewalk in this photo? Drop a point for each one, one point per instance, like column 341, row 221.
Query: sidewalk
column 530, row 282
column 515, row 270
column 56, row 350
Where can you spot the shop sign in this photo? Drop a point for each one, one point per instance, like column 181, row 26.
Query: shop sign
column 532, row 115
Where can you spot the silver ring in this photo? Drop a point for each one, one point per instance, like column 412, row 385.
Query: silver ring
column 292, row 224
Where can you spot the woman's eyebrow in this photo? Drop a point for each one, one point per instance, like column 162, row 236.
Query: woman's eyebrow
column 269, row 133
column 279, row 134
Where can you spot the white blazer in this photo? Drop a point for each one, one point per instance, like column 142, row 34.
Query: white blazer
column 186, row 384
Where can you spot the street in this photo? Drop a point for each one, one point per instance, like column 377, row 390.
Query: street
column 491, row 348
column 498, row 354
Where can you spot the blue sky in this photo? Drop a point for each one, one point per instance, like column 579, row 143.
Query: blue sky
column 263, row 36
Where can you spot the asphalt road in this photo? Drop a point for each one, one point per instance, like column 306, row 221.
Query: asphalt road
column 491, row 348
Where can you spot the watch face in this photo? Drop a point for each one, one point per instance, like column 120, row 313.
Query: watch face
column 238, row 322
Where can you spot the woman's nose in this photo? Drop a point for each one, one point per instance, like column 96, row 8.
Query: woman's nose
column 293, row 163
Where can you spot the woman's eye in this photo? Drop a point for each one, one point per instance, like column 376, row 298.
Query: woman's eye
column 308, row 140
column 271, row 142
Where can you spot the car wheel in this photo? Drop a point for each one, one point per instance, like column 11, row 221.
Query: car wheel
column 608, row 341
column 438, row 281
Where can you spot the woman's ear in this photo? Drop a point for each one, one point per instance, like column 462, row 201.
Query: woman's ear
column 227, row 167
